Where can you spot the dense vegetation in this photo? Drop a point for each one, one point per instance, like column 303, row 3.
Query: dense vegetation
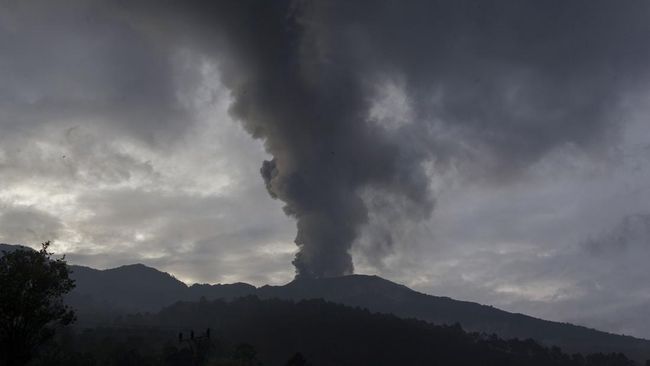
column 251, row 331
column 32, row 286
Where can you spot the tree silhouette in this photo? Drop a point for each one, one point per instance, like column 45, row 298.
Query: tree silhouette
column 297, row 360
column 32, row 286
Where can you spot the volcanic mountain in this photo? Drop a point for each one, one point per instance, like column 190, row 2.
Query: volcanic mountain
column 101, row 295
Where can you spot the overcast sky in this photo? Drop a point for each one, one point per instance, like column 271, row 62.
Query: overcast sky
column 492, row 153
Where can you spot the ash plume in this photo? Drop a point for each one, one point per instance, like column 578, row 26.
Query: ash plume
column 493, row 87
column 312, row 113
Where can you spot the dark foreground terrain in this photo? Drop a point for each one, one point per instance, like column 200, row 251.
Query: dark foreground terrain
column 253, row 331
column 326, row 332
column 102, row 295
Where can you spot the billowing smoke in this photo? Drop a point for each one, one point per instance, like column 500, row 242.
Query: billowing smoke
column 492, row 88
column 312, row 113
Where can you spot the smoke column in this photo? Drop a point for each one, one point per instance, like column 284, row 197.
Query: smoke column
column 494, row 87
column 312, row 115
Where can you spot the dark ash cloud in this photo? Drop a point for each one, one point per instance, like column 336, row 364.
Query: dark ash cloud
column 494, row 87
column 312, row 116
column 82, row 63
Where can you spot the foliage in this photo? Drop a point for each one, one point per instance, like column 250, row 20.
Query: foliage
column 297, row 360
column 250, row 331
column 31, row 302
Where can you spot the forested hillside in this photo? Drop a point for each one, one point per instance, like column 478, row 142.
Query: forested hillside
column 252, row 331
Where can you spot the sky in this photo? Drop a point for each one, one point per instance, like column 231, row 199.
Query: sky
column 490, row 152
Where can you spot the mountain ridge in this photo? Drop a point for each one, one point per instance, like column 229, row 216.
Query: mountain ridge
column 102, row 295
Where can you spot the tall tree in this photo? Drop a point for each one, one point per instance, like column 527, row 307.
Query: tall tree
column 32, row 285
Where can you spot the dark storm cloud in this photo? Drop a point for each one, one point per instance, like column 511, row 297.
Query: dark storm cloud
column 513, row 79
column 81, row 62
column 506, row 82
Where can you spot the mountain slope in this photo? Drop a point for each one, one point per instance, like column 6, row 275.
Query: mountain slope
column 380, row 295
column 102, row 294
column 332, row 334
column 138, row 288
column 131, row 288
column 371, row 292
